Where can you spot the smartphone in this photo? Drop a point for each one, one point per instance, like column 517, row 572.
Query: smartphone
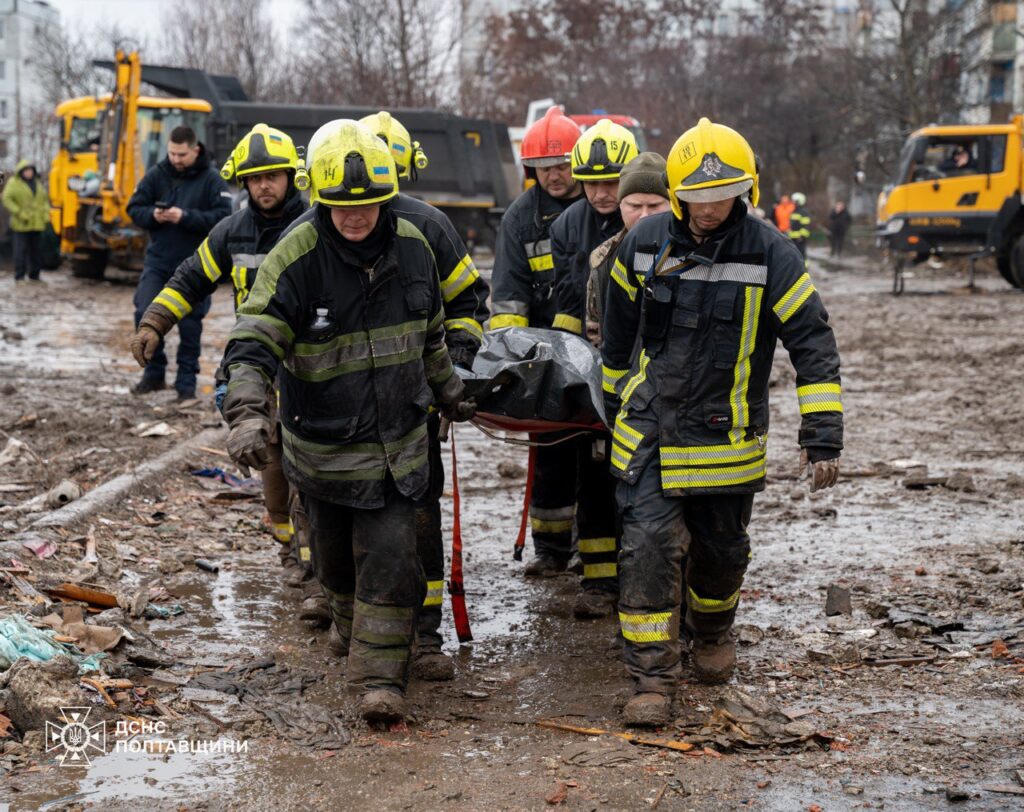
column 160, row 204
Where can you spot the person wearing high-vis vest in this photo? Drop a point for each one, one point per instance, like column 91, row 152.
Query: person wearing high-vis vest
column 799, row 230
column 597, row 162
column 347, row 315
column 699, row 298
column 464, row 293
column 264, row 162
column 523, row 296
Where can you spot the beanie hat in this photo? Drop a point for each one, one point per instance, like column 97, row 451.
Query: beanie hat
column 645, row 174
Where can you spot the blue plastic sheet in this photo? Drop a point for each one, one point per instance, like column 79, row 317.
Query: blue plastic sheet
column 19, row 638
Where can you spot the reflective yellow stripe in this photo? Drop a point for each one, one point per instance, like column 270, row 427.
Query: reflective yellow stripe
column 570, row 323
column 741, row 377
column 464, row 275
column 304, row 553
column 610, row 377
column 793, row 298
column 650, row 628
column 709, row 605
column 820, row 397
column 282, row 531
column 508, row 320
column 636, row 380
column 210, row 266
column 469, row 325
column 603, row 545
column 605, row 570
column 544, row 262
column 626, row 434
column 621, row 457
column 435, row 593
column 719, row 477
column 621, row 276
column 712, row 454
column 550, row 526
column 173, row 301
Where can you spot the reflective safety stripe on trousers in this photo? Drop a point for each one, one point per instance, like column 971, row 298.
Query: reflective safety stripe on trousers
column 820, row 397
column 740, row 460
column 356, row 461
column 610, row 378
column 552, row 520
column 599, row 558
column 539, row 255
column 711, row 605
column 653, row 627
column 435, row 593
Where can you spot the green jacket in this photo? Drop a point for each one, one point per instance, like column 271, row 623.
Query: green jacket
column 29, row 210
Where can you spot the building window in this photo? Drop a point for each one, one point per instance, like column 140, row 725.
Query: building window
column 3, row 70
column 3, row 147
column 3, row 109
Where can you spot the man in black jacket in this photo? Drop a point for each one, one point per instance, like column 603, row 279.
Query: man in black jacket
column 178, row 201
column 698, row 300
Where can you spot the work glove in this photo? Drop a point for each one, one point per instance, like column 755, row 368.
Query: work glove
column 144, row 343
column 248, row 444
column 821, row 466
column 454, row 403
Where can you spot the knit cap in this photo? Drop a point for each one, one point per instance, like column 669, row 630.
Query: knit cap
column 644, row 174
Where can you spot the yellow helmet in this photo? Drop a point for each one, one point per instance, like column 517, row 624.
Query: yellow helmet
column 602, row 151
column 409, row 156
column 710, row 162
column 351, row 167
column 262, row 149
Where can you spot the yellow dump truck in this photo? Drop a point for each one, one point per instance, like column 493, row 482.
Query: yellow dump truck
column 107, row 144
column 957, row 191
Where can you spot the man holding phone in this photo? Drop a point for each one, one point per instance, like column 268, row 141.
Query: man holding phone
column 178, row 201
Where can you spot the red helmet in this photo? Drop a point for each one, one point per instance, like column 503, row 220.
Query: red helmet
column 549, row 142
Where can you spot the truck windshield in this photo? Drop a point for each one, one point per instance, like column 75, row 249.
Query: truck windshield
column 932, row 157
column 83, row 135
column 155, row 125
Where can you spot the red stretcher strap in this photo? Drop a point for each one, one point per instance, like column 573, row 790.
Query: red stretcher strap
column 517, row 551
column 455, row 587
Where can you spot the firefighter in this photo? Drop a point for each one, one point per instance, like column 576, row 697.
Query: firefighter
column 347, row 307
column 264, row 162
column 597, row 161
column 464, row 293
column 703, row 294
column 523, row 296
column 800, row 224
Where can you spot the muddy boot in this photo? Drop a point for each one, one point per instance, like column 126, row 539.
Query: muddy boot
column 315, row 610
column 336, row 644
column 382, row 705
column 575, row 565
column 544, row 566
column 592, row 604
column 648, row 710
column 713, row 663
column 433, row 665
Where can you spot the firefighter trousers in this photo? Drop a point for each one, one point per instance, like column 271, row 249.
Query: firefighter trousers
column 657, row 531
column 553, row 501
column 275, row 493
column 430, row 544
column 596, row 520
column 366, row 563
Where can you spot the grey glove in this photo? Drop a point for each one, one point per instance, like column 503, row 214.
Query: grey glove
column 248, row 444
column 823, row 473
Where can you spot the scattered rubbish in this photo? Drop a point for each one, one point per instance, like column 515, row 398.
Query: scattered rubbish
column 207, row 565
column 558, row 795
column 155, row 611
column 74, row 592
column 599, row 754
column 215, row 451
column 157, row 429
column 19, row 638
column 223, row 476
column 955, row 794
column 42, row 548
column 909, row 467
column 900, row 661
column 670, row 744
column 470, row 694
column 1004, row 789
column 5, row 727
column 37, row 690
column 919, row 482
column 11, row 451
column 1000, row 650
column 837, row 601
column 62, row 493
column 26, row 421
column 90, row 638
column 749, row 635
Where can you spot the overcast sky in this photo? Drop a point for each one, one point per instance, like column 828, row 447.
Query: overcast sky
column 141, row 17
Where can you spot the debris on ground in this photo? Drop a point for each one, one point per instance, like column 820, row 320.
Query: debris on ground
column 20, row 639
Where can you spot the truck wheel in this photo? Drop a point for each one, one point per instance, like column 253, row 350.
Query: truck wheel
column 88, row 264
column 1015, row 267
column 1003, row 264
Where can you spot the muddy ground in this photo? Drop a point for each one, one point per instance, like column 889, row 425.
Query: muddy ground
column 913, row 701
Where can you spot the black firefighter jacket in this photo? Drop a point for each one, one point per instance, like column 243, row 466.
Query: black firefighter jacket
column 574, row 235
column 361, row 355
column 523, row 275
column 463, row 290
column 233, row 251
column 199, row 191
column 693, row 388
